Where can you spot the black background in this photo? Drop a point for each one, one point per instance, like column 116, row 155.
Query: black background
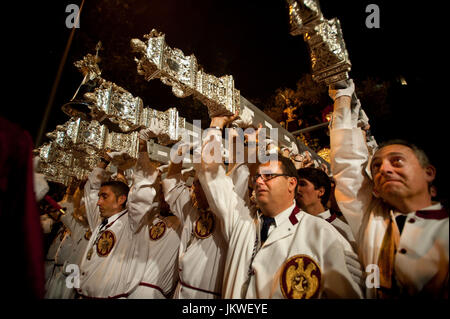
column 247, row 39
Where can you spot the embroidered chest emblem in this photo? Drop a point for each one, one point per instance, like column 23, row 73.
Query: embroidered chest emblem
column 157, row 230
column 300, row 278
column 204, row 225
column 106, row 243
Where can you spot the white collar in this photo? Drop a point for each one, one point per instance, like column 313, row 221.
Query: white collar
column 325, row 214
column 436, row 206
column 114, row 217
column 284, row 215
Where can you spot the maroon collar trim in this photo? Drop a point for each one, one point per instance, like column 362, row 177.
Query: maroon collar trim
column 292, row 218
column 331, row 218
column 433, row 214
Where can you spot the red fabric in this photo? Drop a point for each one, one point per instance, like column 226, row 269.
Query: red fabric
column 331, row 218
column 292, row 217
column 52, row 202
column 21, row 238
column 433, row 214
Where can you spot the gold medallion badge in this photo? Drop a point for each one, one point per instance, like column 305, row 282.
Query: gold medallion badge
column 204, row 225
column 300, row 278
column 105, row 243
column 157, row 230
column 87, row 234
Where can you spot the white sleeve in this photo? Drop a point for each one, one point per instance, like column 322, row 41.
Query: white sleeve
column 142, row 193
column 240, row 175
column 68, row 220
column 349, row 157
column 219, row 191
column 342, row 270
column 94, row 181
column 40, row 186
column 177, row 195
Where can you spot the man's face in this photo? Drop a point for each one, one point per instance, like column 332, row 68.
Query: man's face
column 276, row 191
column 108, row 203
column 397, row 173
column 307, row 195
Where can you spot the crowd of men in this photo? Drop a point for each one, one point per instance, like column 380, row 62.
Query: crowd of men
column 255, row 230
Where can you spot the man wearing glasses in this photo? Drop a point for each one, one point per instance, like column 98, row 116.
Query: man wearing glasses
column 279, row 251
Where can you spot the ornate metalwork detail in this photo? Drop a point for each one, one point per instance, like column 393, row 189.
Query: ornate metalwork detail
column 304, row 15
column 173, row 124
column 75, row 148
column 173, row 68
column 117, row 109
column 117, row 104
column 89, row 67
column 329, row 57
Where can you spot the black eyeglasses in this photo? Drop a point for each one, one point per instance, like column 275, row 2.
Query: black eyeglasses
column 266, row 177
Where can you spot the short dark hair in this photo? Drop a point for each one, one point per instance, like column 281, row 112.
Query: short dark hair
column 420, row 153
column 118, row 188
column 318, row 178
column 287, row 166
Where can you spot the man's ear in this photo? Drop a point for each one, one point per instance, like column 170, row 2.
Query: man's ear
column 121, row 199
column 292, row 183
column 430, row 172
column 321, row 190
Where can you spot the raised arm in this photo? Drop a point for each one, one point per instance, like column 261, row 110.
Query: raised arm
column 218, row 187
column 176, row 193
column 349, row 156
column 91, row 189
column 142, row 193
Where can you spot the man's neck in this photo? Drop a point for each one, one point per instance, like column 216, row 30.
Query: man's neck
column 408, row 205
column 114, row 214
column 274, row 210
column 314, row 209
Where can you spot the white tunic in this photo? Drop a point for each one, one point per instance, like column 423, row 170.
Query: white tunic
column 342, row 227
column 58, row 252
column 422, row 267
column 161, row 272
column 52, row 252
column 70, row 252
column 298, row 234
column 200, row 261
column 120, row 272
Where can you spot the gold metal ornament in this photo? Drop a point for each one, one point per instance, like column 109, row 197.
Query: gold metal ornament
column 88, row 234
column 300, row 278
column 89, row 253
column 325, row 154
column 303, row 15
column 330, row 62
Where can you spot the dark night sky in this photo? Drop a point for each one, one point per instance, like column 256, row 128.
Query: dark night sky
column 247, row 39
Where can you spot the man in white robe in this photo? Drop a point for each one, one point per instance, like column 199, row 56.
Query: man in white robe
column 301, row 256
column 387, row 202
